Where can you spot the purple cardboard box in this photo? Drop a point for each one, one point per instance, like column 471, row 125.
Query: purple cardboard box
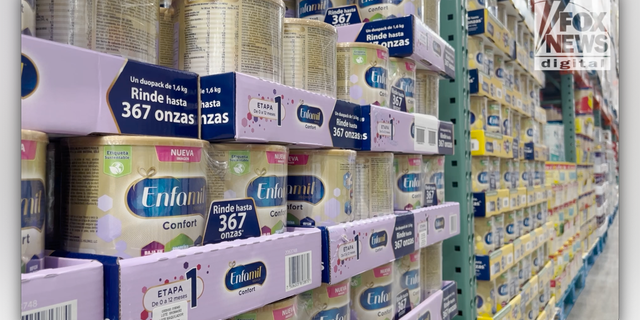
column 405, row 37
column 66, row 287
column 389, row 130
column 68, row 90
column 352, row 248
column 442, row 305
column 242, row 108
column 216, row 281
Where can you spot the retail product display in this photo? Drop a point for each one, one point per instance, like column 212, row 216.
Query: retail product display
column 271, row 160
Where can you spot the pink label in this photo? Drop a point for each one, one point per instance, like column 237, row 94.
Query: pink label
column 414, row 256
column 276, row 157
column 415, row 161
column 298, row 159
column 382, row 54
column 28, row 149
column 338, row 290
column 383, row 271
column 284, row 313
column 178, row 154
column 410, row 66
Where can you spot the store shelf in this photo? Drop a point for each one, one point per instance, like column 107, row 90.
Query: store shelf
column 442, row 305
column 351, row 248
column 405, row 37
column 484, row 143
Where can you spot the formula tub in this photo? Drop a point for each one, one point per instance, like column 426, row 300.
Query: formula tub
column 133, row 196
column 320, row 187
column 285, row 309
column 33, row 203
column 258, row 172
column 363, row 73
column 374, row 184
column 310, row 56
column 402, row 81
column 372, row 294
column 409, row 184
column 329, row 301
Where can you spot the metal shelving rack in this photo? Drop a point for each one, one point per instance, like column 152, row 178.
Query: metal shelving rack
column 568, row 116
column 458, row 252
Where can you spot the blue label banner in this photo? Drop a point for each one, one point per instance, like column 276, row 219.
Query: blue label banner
column 410, row 182
column 403, row 238
column 398, row 100
column 342, row 16
column 403, row 304
column 231, row 220
column 430, row 195
column 378, row 239
column 150, row 100
column 268, row 191
column 376, row 77
column 29, row 76
column 310, row 115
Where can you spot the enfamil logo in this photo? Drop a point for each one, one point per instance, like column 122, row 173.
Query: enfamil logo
column 572, row 35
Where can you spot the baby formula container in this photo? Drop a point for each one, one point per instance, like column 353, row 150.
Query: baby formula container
column 291, row 9
column 494, row 182
column 374, row 184
column 476, row 54
column 33, row 204
column 485, row 232
column 372, row 294
column 486, row 298
column 244, row 171
column 132, row 196
column 28, row 17
column 427, row 92
column 498, row 225
column 409, row 184
column 126, row 28
column 433, row 174
column 363, row 73
column 502, row 290
column 402, row 81
column 329, row 301
column 320, row 187
column 310, row 56
column 511, row 227
column 431, row 15
column 506, row 121
column 431, row 269
column 494, row 124
column 166, row 54
column 478, row 113
column 218, row 36
column 481, row 171
column 506, row 168
column 407, row 282
column 285, row 309
column 488, row 61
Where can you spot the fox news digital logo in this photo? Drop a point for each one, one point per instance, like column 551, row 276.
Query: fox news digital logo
column 572, row 35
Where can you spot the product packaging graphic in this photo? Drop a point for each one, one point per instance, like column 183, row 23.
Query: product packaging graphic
column 351, row 248
column 405, row 37
column 68, row 90
column 70, row 286
column 243, row 108
column 390, row 130
column 441, row 305
column 215, row 281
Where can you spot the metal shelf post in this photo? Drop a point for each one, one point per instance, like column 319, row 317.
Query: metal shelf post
column 568, row 117
column 458, row 252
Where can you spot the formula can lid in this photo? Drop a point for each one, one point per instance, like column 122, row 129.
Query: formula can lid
column 135, row 141
column 247, row 147
column 309, row 23
column 34, row 136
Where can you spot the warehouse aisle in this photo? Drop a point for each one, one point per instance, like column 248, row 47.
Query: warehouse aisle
column 599, row 300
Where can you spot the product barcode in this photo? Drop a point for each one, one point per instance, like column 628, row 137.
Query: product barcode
column 63, row 311
column 298, row 270
column 432, row 138
column 453, row 224
column 420, row 135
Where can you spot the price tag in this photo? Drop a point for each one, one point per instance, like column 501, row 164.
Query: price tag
column 403, row 305
column 397, row 99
